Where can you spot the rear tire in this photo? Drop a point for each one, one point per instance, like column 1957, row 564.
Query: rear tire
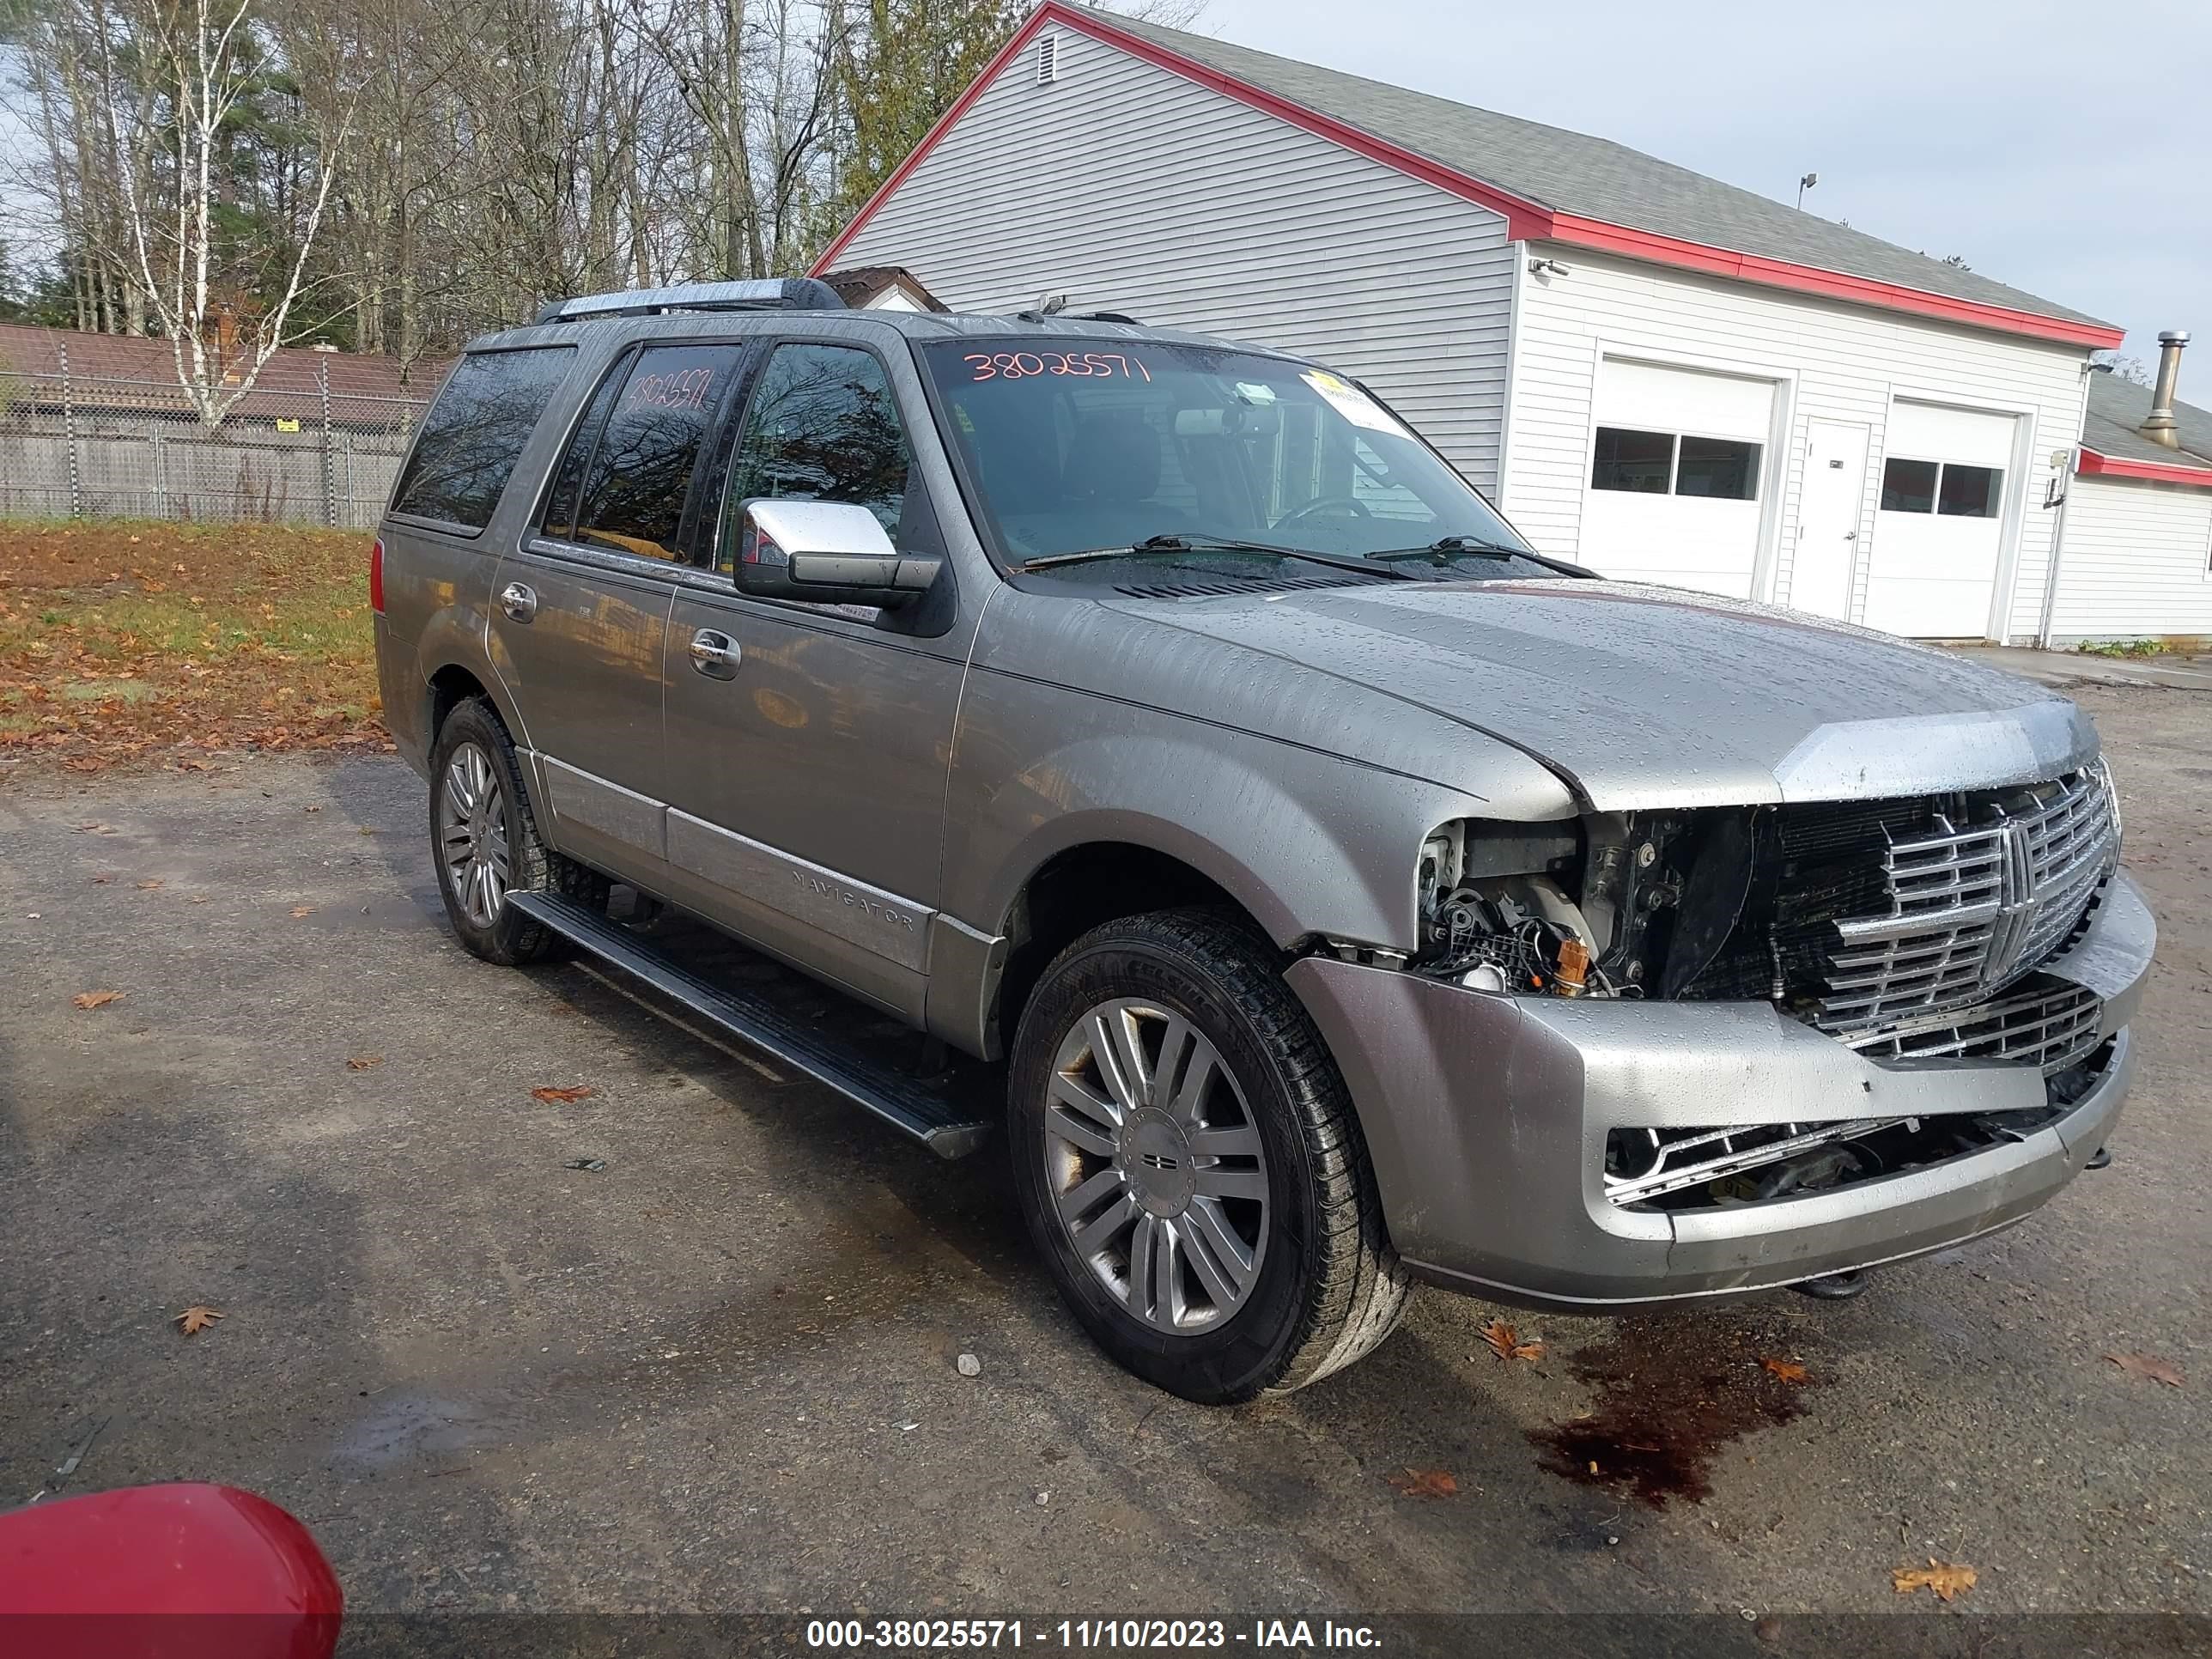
column 485, row 843
column 1189, row 1163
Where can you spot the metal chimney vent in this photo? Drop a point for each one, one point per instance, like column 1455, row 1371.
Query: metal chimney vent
column 2159, row 426
column 1047, row 58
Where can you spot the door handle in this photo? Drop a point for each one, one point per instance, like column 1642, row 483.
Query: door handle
column 715, row 655
column 518, row 601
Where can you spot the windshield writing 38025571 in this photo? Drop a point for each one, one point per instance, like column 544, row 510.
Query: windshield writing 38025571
column 1016, row 365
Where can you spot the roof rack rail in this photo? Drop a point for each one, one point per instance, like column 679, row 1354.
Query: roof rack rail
column 787, row 293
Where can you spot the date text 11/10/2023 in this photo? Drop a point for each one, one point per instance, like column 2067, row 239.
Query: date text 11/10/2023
column 1084, row 1635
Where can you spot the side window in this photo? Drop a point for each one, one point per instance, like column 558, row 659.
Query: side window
column 640, row 468
column 568, row 482
column 824, row 427
column 476, row 431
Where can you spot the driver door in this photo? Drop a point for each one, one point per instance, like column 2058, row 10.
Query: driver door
column 808, row 744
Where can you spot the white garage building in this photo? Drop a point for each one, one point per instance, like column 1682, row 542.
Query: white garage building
column 1656, row 373
column 2135, row 531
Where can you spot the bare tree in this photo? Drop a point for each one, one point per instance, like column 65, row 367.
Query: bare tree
column 188, row 66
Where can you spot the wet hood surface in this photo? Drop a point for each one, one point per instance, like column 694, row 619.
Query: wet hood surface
column 1655, row 697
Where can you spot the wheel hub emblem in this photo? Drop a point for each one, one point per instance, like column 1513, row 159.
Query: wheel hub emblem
column 1157, row 1163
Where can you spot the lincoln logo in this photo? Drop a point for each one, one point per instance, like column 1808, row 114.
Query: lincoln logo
column 2017, row 905
column 1160, row 1161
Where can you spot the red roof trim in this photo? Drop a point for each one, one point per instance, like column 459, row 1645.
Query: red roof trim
column 1526, row 221
column 2094, row 464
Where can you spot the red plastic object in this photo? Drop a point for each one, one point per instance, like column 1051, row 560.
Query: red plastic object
column 164, row 1572
column 376, row 576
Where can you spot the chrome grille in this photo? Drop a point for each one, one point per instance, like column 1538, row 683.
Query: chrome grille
column 1973, row 907
column 1679, row 1159
column 2051, row 1026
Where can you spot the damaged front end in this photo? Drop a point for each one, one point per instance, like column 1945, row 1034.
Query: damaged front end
column 1917, row 932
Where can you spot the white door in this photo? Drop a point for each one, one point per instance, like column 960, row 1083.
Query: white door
column 1678, row 471
column 1828, row 518
column 1939, row 531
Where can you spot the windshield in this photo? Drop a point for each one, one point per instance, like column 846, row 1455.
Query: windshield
column 1080, row 443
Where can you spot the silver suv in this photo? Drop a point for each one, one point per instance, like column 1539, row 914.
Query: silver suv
column 1353, row 895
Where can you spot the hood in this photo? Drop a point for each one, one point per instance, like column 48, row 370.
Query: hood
column 1652, row 698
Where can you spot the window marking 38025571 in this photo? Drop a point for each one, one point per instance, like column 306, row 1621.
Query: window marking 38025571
column 1017, row 365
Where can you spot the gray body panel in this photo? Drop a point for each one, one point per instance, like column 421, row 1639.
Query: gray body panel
column 871, row 801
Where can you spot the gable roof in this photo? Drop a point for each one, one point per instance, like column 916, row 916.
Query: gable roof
column 856, row 285
column 1556, row 186
column 2112, row 444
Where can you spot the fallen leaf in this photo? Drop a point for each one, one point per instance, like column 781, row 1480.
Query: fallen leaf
column 362, row 1062
column 101, row 881
column 149, row 886
column 1424, row 1483
column 197, row 899
column 299, row 910
column 2149, row 1365
column 1946, row 1578
column 1785, row 1369
column 196, row 1319
column 581, row 1091
column 1505, row 1342
column 94, row 998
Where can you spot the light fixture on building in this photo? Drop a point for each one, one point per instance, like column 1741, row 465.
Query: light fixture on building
column 1547, row 268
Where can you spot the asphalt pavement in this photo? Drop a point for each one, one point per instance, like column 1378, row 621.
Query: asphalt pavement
column 719, row 1373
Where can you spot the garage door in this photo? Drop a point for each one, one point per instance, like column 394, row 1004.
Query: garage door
column 1933, row 569
column 1677, row 468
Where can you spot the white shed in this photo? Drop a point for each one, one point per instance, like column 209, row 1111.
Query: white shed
column 1656, row 373
column 2135, row 531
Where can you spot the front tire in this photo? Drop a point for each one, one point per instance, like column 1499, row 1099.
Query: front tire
column 1189, row 1163
column 484, row 841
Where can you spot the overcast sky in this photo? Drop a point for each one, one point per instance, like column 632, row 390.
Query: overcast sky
column 2064, row 149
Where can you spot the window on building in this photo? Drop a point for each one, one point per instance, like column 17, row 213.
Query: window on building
column 640, row 467
column 1969, row 492
column 475, row 432
column 1641, row 462
column 1950, row 488
column 1663, row 463
column 824, row 426
column 1725, row 469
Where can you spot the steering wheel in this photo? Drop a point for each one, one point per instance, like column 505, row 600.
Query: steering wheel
column 1322, row 504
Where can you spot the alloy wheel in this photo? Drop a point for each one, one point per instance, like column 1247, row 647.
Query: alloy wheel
column 1155, row 1166
column 472, row 833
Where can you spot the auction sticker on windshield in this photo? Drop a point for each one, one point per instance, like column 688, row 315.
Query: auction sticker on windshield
column 1349, row 401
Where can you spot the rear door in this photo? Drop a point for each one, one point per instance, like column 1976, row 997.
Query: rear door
column 809, row 744
column 581, row 606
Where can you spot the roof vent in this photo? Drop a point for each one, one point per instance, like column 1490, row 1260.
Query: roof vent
column 2159, row 426
column 1047, row 58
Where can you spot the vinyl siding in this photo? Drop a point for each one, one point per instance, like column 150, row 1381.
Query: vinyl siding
column 1830, row 361
column 2137, row 561
column 1128, row 188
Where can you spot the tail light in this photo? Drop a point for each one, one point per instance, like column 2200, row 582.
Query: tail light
column 376, row 577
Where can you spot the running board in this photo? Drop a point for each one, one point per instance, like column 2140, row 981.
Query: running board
column 947, row 1126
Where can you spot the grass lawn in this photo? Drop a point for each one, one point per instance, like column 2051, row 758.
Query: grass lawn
column 131, row 641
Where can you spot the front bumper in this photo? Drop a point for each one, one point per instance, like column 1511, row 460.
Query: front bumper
column 1486, row 1118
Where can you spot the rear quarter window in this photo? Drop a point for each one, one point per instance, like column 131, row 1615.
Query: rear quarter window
column 475, row 432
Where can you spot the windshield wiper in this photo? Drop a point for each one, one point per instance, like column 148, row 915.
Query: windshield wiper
column 1445, row 549
column 1199, row 542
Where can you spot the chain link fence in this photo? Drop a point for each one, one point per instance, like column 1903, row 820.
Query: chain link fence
column 91, row 446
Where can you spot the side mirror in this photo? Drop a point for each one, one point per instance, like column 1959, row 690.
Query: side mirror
column 825, row 553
